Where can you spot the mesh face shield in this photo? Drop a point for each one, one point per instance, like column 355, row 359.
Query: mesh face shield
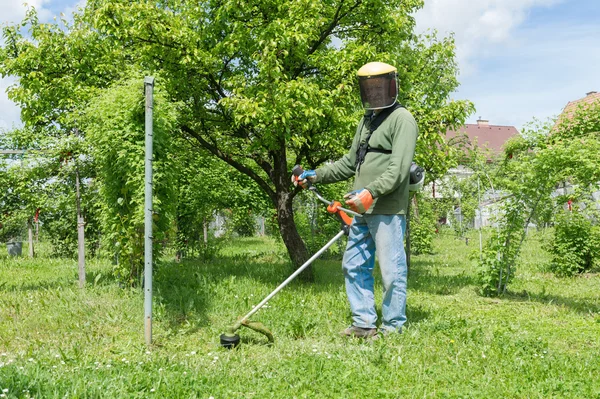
column 379, row 91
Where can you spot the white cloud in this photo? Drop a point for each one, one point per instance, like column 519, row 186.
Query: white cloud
column 13, row 11
column 476, row 24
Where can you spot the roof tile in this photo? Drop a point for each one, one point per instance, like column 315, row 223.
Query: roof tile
column 491, row 136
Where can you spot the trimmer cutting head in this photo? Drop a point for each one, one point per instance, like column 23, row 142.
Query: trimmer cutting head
column 230, row 341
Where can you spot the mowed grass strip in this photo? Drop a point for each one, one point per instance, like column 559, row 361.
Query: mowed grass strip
column 540, row 340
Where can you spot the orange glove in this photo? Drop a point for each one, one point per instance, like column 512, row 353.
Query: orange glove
column 359, row 200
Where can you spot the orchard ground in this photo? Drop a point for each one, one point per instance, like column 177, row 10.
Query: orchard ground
column 540, row 340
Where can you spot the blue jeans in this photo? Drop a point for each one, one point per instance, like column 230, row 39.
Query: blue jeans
column 384, row 235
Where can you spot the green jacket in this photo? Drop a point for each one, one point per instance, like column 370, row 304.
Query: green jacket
column 386, row 176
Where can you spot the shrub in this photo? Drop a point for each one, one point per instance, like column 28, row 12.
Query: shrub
column 13, row 227
column 498, row 262
column 422, row 226
column 575, row 245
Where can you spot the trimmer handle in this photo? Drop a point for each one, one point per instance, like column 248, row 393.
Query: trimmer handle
column 297, row 171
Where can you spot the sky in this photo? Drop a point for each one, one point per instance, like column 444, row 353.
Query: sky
column 518, row 59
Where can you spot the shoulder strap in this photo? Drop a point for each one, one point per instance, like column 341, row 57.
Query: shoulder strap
column 375, row 123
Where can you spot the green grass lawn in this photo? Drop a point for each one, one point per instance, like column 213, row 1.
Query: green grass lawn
column 541, row 340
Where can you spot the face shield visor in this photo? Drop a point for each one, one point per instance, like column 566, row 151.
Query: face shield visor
column 379, row 91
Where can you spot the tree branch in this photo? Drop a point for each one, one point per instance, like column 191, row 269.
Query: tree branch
column 213, row 149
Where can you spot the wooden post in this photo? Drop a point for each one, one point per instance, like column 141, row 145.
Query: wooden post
column 30, row 238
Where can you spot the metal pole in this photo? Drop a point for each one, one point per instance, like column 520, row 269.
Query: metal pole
column 148, row 88
column 80, row 232
column 480, row 220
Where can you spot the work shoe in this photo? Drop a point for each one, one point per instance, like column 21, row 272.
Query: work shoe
column 358, row 332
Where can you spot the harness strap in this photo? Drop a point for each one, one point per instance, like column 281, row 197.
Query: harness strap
column 364, row 147
column 379, row 150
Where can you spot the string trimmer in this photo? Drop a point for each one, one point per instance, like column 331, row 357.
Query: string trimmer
column 230, row 339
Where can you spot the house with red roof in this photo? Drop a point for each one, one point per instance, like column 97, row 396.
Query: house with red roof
column 484, row 135
column 569, row 110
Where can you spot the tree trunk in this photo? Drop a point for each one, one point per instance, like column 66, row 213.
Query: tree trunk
column 292, row 240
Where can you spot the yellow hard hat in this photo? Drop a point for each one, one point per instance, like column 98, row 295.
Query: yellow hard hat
column 375, row 69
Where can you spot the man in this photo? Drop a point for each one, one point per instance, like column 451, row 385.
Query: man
column 380, row 160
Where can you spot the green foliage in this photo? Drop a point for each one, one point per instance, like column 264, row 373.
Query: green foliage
column 58, row 216
column 242, row 222
column 25, row 190
column 60, row 227
column 266, row 90
column 464, row 195
column 116, row 136
column 575, row 245
column 206, row 186
column 422, row 224
column 543, row 159
column 60, row 66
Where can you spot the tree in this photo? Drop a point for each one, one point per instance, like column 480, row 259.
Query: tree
column 59, row 67
column 269, row 84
